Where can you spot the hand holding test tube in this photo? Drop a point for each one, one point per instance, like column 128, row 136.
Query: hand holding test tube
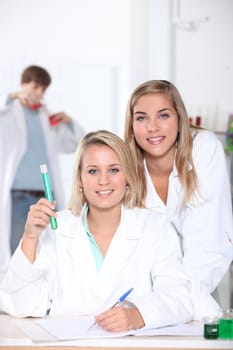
column 48, row 191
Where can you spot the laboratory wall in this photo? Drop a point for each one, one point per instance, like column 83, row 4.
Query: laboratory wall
column 191, row 45
column 204, row 59
column 100, row 50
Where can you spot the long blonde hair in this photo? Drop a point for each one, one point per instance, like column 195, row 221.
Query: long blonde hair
column 106, row 138
column 183, row 160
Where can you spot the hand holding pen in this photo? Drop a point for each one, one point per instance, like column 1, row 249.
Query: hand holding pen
column 120, row 300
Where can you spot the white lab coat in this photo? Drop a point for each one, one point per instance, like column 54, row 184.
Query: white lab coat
column 205, row 226
column 12, row 147
column 144, row 254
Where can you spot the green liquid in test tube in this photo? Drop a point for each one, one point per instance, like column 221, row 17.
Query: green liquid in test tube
column 48, row 191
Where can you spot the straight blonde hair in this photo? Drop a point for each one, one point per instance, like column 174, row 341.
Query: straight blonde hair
column 105, row 138
column 183, row 158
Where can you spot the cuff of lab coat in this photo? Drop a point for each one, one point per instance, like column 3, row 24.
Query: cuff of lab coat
column 160, row 309
column 150, row 317
column 205, row 306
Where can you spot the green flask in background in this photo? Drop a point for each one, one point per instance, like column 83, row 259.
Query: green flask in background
column 229, row 134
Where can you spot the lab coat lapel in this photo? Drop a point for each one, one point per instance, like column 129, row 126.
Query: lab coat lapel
column 152, row 199
column 14, row 141
column 175, row 193
column 122, row 246
column 79, row 252
column 174, row 198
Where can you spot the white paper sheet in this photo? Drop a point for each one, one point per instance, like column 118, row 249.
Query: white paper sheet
column 181, row 329
column 78, row 328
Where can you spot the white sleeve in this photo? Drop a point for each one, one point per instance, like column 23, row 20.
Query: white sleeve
column 207, row 228
column 24, row 290
column 169, row 302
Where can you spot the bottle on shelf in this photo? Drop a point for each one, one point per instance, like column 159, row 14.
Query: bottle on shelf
column 198, row 121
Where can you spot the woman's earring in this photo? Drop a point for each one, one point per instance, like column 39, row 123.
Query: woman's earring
column 127, row 187
column 80, row 189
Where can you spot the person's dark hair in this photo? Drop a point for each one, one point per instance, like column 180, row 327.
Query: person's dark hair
column 36, row 74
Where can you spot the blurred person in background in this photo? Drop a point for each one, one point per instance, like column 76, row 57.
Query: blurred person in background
column 28, row 138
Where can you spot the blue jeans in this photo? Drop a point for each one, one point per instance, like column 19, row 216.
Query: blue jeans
column 20, row 203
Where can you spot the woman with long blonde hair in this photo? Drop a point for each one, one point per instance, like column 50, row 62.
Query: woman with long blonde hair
column 182, row 172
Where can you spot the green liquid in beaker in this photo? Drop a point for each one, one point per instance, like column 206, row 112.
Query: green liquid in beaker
column 226, row 328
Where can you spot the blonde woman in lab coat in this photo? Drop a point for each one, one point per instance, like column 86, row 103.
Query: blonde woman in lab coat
column 182, row 172
column 103, row 246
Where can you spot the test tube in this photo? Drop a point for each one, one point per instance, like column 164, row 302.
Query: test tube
column 48, row 191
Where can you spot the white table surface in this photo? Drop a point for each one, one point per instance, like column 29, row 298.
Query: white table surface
column 11, row 335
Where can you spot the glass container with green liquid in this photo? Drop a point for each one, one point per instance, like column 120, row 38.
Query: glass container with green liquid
column 226, row 325
column 210, row 327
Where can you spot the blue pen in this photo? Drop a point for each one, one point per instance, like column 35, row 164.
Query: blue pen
column 120, row 300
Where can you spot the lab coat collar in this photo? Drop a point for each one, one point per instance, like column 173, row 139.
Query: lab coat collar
column 174, row 170
column 121, row 247
column 173, row 200
column 71, row 225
